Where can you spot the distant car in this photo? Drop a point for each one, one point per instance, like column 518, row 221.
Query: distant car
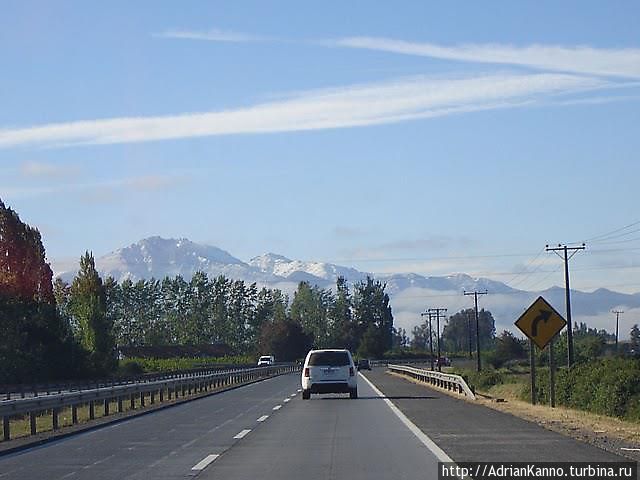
column 364, row 364
column 443, row 361
column 329, row 371
column 266, row 360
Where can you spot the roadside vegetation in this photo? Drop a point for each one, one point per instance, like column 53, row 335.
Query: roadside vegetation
column 58, row 331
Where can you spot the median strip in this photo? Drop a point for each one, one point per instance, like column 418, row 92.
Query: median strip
column 242, row 434
column 202, row 464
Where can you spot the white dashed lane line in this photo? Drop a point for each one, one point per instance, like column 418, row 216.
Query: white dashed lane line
column 286, row 400
column 262, row 418
column 277, row 407
column 299, row 390
column 242, row 434
column 293, row 395
column 202, row 464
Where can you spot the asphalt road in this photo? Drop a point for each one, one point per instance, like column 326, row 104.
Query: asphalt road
column 265, row 431
column 238, row 434
column 473, row 433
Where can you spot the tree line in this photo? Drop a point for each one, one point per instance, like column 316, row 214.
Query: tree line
column 52, row 330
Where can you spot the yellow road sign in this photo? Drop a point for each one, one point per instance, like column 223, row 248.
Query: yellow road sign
column 541, row 322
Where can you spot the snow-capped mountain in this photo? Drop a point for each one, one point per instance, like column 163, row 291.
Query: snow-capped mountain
column 410, row 293
column 157, row 257
column 317, row 272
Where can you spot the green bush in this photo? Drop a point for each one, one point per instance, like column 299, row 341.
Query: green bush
column 155, row 365
column 609, row 387
column 482, row 380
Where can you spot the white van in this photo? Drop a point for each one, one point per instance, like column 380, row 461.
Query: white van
column 329, row 371
column 266, row 360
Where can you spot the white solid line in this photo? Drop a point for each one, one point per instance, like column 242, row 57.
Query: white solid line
column 277, row 407
column 630, row 449
column 202, row 464
column 262, row 418
column 430, row 444
column 286, row 400
column 242, row 434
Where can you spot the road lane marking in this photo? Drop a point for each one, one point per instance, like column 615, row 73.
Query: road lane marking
column 242, row 434
column 293, row 395
column 262, row 418
column 427, row 442
column 630, row 449
column 286, row 400
column 299, row 390
column 277, row 407
column 202, row 464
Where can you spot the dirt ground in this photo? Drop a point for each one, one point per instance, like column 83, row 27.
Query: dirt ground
column 611, row 434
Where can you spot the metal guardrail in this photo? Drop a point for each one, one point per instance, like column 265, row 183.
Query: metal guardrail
column 8, row 391
column 443, row 380
column 166, row 389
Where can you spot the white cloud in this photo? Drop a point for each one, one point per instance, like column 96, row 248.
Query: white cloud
column 40, row 169
column 212, row 35
column 620, row 62
column 357, row 105
column 102, row 191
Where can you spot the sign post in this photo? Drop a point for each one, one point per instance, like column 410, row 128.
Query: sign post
column 532, row 364
column 552, row 376
column 541, row 323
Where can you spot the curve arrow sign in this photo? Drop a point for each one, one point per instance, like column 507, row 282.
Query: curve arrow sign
column 543, row 316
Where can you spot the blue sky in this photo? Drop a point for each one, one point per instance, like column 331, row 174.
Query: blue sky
column 432, row 137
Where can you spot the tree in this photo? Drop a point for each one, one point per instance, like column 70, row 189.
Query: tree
column 508, row 347
column 373, row 317
column 455, row 334
column 285, row 339
column 635, row 338
column 88, row 304
column 310, row 308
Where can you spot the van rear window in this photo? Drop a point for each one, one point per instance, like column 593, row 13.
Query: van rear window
column 330, row 359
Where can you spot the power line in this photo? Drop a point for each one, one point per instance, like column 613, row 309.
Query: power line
column 565, row 249
column 436, row 312
column 475, row 294
column 603, row 235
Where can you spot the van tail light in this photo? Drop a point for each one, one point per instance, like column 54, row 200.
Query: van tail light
column 351, row 373
column 306, row 372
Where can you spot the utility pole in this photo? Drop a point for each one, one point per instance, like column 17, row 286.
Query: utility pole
column 469, row 332
column 436, row 312
column 566, row 257
column 475, row 296
column 617, row 312
column 428, row 313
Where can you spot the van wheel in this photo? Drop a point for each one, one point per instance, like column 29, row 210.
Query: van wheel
column 353, row 393
column 306, row 394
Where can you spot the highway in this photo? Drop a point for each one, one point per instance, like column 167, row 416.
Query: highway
column 266, row 431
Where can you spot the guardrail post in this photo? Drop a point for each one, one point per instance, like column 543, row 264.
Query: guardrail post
column 74, row 414
column 152, row 396
column 106, row 406
column 54, row 418
column 161, row 394
column 6, row 432
column 120, row 408
column 132, row 401
column 142, row 399
column 32, row 423
column 92, row 410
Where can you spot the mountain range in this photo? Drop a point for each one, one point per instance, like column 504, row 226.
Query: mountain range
column 410, row 293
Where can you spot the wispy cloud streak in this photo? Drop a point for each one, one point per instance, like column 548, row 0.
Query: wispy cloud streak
column 213, row 35
column 621, row 62
column 358, row 105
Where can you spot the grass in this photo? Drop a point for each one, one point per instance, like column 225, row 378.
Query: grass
column 21, row 427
